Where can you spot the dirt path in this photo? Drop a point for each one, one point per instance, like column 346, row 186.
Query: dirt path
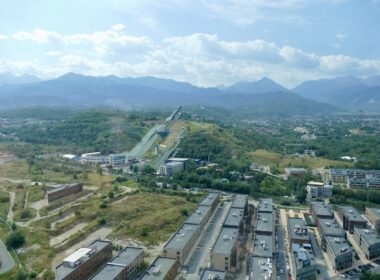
column 26, row 198
column 62, row 237
column 12, row 197
column 101, row 233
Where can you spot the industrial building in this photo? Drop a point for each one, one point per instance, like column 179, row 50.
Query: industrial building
column 263, row 246
column 161, row 269
column 320, row 210
column 85, row 261
column 211, row 200
column 303, row 262
column 61, row 191
column 235, row 219
column 318, row 190
column 339, row 252
column 125, row 266
column 224, row 252
column 369, row 242
column 200, row 216
column 211, row 274
column 265, row 205
column 181, row 243
column 171, row 168
column 329, row 228
column 294, row 171
column 373, row 215
column 241, row 202
column 351, row 218
column 297, row 231
column 264, row 223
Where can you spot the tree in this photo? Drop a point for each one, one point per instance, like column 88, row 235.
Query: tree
column 15, row 240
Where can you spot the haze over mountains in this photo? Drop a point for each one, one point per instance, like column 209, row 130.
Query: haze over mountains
column 262, row 97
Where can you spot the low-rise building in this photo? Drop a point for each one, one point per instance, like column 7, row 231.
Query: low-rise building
column 329, row 227
column 264, row 223
column 373, row 215
column 295, row 171
column 263, row 246
column 211, row 274
column 171, row 168
column 241, row 202
column 337, row 176
column 211, row 200
column 85, row 261
column 320, row 210
column 181, row 243
column 224, row 253
column 235, row 219
column 260, row 268
column 302, row 261
column 297, row 231
column 125, row 266
column 369, row 242
column 339, row 252
column 318, row 190
column 61, row 191
column 265, row 205
column 351, row 218
column 161, row 269
column 200, row 216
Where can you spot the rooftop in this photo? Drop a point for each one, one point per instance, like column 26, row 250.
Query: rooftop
column 261, row 268
column 331, row 227
column 80, row 256
column 58, row 188
column 352, row 213
column 234, row 217
column 368, row 236
column 264, row 222
column 263, row 246
column 181, row 238
column 265, row 205
column 209, row 199
column 375, row 212
column 298, row 229
column 158, row 269
column 338, row 171
column 127, row 255
column 109, row 271
column 240, row 201
column 225, row 242
column 198, row 215
column 322, row 209
column 338, row 246
column 303, row 257
column 210, row 274
column 317, row 184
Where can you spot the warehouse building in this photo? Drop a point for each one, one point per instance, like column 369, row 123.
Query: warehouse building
column 351, row 218
column 181, row 243
column 61, row 191
column 297, row 231
column 329, row 227
column 126, row 265
column 369, row 242
column 85, row 261
column 339, row 252
column 224, row 252
column 373, row 215
column 161, row 269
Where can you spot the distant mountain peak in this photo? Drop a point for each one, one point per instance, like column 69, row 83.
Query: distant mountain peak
column 262, row 85
column 8, row 78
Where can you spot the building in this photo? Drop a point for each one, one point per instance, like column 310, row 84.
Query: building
column 224, row 252
column 260, row 268
column 369, row 242
column 320, row 210
column 363, row 183
column 264, row 223
column 293, row 171
column 211, row 199
column 263, row 246
column 318, row 190
column 61, row 191
column 118, row 159
column 125, row 266
column 303, row 262
column 339, row 252
column 161, row 269
column 337, row 176
column 235, row 219
column 329, row 228
column 265, row 205
column 211, row 274
column 355, row 178
column 351, row 218
column 85, row 261
column 373, row 215
column 297, row 231
column 181, row 243
column 171, row 168
column 241, row 202
column 94, row 158
column 200, row 216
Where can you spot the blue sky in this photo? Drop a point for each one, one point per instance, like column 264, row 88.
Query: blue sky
column 204, row 42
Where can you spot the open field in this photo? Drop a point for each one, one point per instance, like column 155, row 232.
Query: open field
column 265, row 157
column 15, row 170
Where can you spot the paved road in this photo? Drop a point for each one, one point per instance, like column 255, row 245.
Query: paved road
column 7, row 262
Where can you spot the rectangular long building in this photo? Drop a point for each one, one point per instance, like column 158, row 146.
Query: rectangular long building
column 297, row 231
column 265, row 205
column 373, row 215
column 339, row 252
column 329, row 227
column 61, row 191
column 369, row 241
column 161, row 269
column 224, row 252
column 211, row 200
column 234, row 219
column 200, row 216
column 241, row 202
column 351, row 218
column 264, row 223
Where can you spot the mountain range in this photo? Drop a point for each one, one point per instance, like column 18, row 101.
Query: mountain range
column 260, row 97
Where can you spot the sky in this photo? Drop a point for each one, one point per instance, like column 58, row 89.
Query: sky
column 203, row 42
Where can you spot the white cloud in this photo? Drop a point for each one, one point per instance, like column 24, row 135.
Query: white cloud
column 118, row 27
column 3, row 37
column 341, row 36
